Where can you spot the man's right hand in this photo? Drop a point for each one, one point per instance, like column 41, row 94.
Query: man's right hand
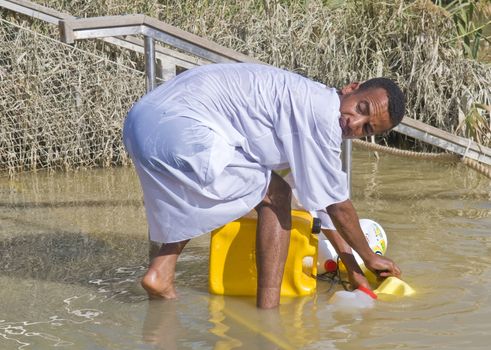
column 382, row 266
column 346, row 220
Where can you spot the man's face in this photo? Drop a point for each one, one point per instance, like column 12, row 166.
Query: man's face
column 364, row 113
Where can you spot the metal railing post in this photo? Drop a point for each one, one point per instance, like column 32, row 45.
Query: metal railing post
column 150, row 74
column 346, row 159
column 150, row 63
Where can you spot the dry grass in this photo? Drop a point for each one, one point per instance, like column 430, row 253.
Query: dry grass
column 61, row 107
column 333, row 41
column 336, row 42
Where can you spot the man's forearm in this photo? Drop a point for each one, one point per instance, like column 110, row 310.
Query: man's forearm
column 344, row 217
column 355, row 273
column 337, row 241
column 343, row 249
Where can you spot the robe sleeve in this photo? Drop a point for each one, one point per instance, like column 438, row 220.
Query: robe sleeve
column 322, row 215
column 316, row 170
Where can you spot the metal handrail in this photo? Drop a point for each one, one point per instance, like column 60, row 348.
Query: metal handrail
column 34, row 10
column 442, row 139
column 163, row 54
column 99, row 27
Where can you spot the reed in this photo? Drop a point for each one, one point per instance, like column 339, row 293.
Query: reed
column 61, row 107
column 471, row 19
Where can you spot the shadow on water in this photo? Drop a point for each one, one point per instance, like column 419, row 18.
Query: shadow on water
column 84, row 229
column 112, row 265
column 74, row 258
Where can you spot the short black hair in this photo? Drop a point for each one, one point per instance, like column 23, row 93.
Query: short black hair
column 397, row 100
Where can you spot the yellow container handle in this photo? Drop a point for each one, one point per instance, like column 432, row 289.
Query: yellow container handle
column 394, row 286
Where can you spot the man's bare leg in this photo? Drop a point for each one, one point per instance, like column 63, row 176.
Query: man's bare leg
column 159, row 278
column 272, row 241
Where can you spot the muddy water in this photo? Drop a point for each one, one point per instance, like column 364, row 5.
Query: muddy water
column 72, row 247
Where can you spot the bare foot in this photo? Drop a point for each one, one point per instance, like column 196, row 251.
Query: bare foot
column 157, row 286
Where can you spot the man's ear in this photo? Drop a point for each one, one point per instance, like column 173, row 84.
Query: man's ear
column 350, row 88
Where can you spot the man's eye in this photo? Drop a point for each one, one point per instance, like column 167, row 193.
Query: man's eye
column 363, row 108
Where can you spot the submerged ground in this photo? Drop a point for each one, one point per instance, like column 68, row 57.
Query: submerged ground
column 73, row 245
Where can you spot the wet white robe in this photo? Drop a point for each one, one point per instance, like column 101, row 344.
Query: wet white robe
column 204, row 145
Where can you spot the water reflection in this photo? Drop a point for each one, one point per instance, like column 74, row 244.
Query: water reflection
column 233, row 322
column 162, row 327
column 231, row 317
column 75, row 258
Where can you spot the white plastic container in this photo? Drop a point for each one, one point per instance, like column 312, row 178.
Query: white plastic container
column 360, row 298
column 374, row 234
column 326, row 257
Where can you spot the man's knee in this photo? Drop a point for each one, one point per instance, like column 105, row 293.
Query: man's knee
column 279, row 195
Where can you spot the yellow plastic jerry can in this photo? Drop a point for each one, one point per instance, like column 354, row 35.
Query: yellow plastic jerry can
column 233, row 258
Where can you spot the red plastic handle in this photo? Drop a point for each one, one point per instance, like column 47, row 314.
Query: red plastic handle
column 368, row 292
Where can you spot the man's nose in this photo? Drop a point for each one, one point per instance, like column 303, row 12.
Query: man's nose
column 357, row 122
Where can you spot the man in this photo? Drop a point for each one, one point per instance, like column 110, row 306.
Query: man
column 205, row 146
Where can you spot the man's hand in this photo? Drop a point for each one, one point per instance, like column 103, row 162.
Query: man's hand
column 357, row 279
column 347, row 223
column 382, row 266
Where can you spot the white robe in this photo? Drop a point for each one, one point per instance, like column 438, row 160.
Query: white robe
column 204, row 145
